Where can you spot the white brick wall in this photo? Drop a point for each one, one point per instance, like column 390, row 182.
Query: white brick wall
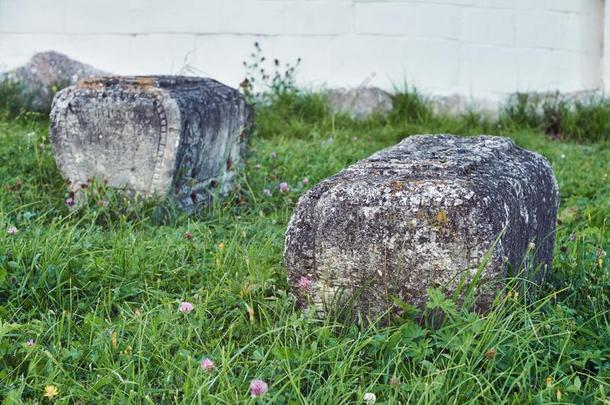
column 474, row 48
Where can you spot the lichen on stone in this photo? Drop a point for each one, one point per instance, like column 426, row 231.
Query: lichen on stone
column 176, row 136
column 418, row 215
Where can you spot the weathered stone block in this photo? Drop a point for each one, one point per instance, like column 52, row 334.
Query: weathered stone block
column 43, row 75
column 360, row 102
column 422, row 214
column 163, row 135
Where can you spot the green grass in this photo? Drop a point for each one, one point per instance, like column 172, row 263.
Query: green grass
column 559, row 116
column 98, row 288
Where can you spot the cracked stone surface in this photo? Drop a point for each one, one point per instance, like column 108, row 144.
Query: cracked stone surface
column 44, row 74
column 423, row 214
column 176, row 136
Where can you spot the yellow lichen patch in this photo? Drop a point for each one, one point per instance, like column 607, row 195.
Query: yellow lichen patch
column 441, row 218
column 93, row 84
column 145, row 80
column 132, row 83
column 397, row 186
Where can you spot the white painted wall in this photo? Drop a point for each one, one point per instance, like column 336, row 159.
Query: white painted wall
column 475, row 48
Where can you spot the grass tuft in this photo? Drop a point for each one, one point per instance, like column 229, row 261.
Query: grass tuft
column 582, row 120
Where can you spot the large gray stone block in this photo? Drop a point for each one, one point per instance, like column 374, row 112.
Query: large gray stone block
column 43, row 75
column 422, row 214
column 359, row 102
column 154, row 135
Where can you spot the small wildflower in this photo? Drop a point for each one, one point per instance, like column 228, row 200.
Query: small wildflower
column 221, row 246
column 70, row 202
column 370, row 398
column 30, row 343
column 490, row 353
column 304, row 283
column 12, row 231
column 531, row 246
column 186, row 307
column 257, row 166
column 305, row 181
column 267, row 192
column 273, row 155
column 50, row 391
column 549, row 381
column 284, row 187
column 188, row 235
column 207, row 365
column 258, row 388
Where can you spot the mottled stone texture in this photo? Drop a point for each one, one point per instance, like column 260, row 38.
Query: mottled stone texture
column 359, row 102
column 44, row 74
column 422, row 214
column 164, row 135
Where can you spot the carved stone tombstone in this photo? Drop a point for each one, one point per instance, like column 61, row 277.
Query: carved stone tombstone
column 152, row 135
column 423, row 214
